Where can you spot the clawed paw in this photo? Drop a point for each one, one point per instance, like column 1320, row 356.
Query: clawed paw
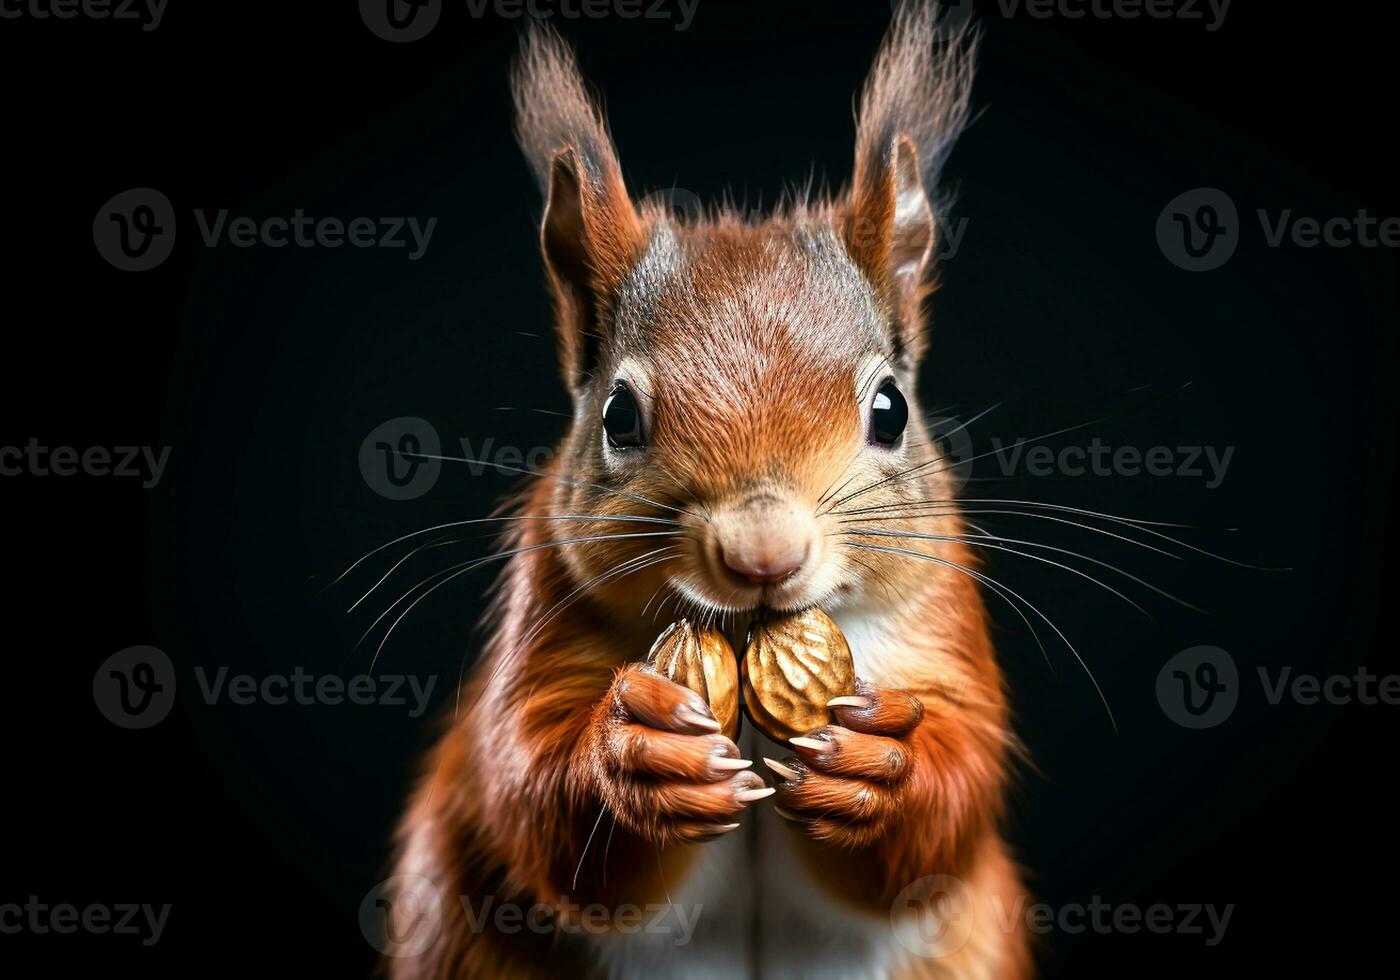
column 844, row 785
column 666, row 772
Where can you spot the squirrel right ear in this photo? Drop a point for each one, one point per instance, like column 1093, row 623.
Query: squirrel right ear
column 591, row 236
column 913, row 106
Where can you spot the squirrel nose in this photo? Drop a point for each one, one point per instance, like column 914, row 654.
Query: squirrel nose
column 764, row 540
column 764, row 565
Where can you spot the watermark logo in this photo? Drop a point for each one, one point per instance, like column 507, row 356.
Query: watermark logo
column 135, row 687
column 135, row 230
column 1105, row 918
column 401, row 459
column 398, row 459
column 1199, row 688
column 401, row 21
column 933, row 917
column 402, row 915
column 956, row 14
column 1199, row 230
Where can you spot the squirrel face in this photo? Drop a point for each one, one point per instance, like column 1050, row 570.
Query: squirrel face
column 737, row 381
column 747, row 372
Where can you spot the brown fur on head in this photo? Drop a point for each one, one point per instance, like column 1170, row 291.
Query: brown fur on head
column 753, row 350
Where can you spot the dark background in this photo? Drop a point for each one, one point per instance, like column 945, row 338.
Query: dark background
column 265, row 369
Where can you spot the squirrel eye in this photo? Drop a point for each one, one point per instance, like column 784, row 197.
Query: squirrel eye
column 889, row 414
column 622, row 420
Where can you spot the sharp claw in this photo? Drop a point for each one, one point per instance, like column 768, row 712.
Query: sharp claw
column 726, row 764
column 689, row 716
column 750, row 795
column 781, row 770
column 849, row 701
column 786, row 814
column 810, row 744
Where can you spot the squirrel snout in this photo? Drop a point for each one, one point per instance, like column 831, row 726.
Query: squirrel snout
column 764, row 540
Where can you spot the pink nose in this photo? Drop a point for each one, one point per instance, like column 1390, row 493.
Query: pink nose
column 765, row 565
column 764, row 539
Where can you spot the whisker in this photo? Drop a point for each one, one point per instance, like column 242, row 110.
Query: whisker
column 977, row 541
column 628, row 567
column 586, row 843
column 964, row 462
column 959, row 512
column 984, row 579
column 538, row 411
column 531, row 471
column 455, row 570
column 1146, row 527
column 393, row 568
column 627, row 518
column 955, row 502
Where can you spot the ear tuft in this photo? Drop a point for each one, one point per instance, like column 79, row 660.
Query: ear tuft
column 591, row 235
column 920, row 87
column 914, row 105
column 553, row 109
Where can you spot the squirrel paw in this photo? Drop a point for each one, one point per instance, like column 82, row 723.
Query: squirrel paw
column 661, row 765
column 845, row 785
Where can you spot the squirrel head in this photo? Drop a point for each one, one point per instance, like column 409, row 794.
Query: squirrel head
column 744, row 376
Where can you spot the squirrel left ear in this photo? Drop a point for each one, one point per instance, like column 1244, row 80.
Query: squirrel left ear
column 913, row 106
column 591, row 235
column 890, row 227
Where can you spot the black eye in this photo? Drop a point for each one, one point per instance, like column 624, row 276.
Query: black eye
column 622, row 420
column 888, row 415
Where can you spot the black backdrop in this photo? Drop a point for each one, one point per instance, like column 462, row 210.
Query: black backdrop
column 263, row 826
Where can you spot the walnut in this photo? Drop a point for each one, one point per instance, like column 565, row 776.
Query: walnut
column 793, row 665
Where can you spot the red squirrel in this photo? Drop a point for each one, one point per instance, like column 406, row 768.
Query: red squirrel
column 746, row 438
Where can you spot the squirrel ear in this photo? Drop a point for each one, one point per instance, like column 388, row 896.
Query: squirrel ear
column 890, row 228
column 912, row 108
column 590, row 242
column 591, row 236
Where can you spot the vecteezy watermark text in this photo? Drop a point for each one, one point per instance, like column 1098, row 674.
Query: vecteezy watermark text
column 402, row 21
column 404, row 915
column 1200, row 229
column 147, row 12
column 135, row 230
column 1104, row 918
column 1098, row 458
column 936, row 916
column 120, row 919
column 1201, row 687
column 402, row 458
column 145, row 463
column 135, row 688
